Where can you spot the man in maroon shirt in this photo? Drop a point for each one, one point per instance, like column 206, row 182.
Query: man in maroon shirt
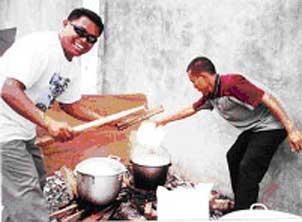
column 257, row 113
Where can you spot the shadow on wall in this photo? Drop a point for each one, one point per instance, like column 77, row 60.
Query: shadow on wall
column 7, row 38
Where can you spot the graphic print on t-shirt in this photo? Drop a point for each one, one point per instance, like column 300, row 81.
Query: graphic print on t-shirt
column 57, row 85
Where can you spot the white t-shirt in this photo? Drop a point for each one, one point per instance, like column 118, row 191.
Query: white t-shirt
column 38, row 61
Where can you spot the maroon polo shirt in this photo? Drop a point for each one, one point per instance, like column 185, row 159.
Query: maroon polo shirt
column 239, row 102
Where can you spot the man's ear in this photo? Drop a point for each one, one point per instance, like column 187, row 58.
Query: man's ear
column 204, row 75
column 65, row 22
column 198, row 79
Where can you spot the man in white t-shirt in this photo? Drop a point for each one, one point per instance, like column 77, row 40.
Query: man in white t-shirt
column 40, row 68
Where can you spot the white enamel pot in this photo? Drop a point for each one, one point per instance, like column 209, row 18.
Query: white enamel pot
column 263, row 214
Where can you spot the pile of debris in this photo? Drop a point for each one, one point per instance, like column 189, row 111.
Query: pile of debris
column 131, row 204
column 57, row 192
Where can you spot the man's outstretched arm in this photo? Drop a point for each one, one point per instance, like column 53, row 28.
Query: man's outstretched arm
column 177, row 116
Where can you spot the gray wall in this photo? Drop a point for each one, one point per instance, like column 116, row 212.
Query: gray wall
column 148, row 45
column 34, row 15
column 38, row 15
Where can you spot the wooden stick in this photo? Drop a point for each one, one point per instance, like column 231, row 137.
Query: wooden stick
column 63, row 212
column 70, row 181
column 107, row 212
column 46, row 140
column 74, row 217
column 107, row 119
column 132, row 121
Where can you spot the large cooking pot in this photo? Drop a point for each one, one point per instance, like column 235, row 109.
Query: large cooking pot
column 256, row 214
column 99, row 179
column 149, row 171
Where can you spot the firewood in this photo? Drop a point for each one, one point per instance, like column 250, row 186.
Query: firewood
column 221, row 204
column 131, row 203
column 93, row 217
column 149, row 212
column 64, row 212
column 74, row 217
column 70, row 180
column 108, row 214
column 127, row 212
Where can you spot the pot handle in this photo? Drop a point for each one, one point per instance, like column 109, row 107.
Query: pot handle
column 114, row 157
column 258, row 205
column 92, row 178
column 118, row 159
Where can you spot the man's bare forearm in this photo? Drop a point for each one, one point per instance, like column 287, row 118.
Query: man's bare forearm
column 177, row 116
column 276, row 108
column 294, row 136
column 80, row 111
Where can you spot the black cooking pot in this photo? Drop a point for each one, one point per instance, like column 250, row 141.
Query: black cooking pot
column 149, row 175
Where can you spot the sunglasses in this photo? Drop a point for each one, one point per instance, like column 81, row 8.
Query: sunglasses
column 82, row 33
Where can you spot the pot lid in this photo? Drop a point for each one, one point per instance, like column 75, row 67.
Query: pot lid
column 260, row 214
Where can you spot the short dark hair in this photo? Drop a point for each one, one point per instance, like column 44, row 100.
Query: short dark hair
column 201, row 64
column 78, row 12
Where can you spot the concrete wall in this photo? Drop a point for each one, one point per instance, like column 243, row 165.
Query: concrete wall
column 34, row 15
column 148, row 45
column 37, row 15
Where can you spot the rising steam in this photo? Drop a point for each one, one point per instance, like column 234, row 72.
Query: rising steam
column 145, row 143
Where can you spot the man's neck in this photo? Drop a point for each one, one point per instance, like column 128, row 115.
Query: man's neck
column 211, row 79
column 213, row 85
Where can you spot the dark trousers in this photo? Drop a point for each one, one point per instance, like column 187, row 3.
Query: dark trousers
column 248, row 160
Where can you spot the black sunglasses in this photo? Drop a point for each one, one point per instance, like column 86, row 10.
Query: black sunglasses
column 82, row 33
